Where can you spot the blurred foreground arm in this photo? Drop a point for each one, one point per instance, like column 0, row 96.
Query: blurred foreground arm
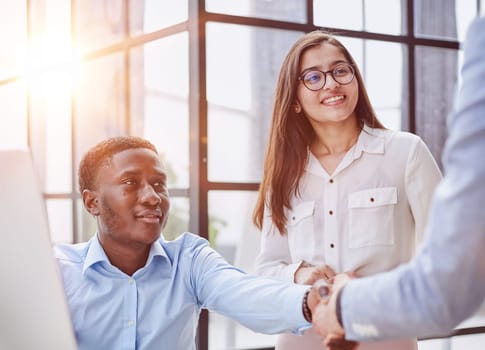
column 445, row 283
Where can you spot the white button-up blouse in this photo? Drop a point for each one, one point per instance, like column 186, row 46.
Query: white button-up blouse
column 367, row 217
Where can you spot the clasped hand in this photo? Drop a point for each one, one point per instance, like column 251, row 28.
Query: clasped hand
column 322, row 301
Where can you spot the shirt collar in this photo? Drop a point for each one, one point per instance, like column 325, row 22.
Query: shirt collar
column 97, row 254
column 156, row 250
column 370, row 141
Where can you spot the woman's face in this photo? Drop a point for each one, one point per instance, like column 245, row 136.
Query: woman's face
column 334, row 102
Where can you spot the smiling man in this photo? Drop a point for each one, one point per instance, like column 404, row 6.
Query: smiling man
column 128, row 288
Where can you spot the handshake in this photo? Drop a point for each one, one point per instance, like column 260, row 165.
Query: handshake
column 323, row 303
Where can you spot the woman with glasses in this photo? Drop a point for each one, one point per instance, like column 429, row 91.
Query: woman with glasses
column 340, row 192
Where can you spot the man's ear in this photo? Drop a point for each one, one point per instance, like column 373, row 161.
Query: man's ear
column 90, row 200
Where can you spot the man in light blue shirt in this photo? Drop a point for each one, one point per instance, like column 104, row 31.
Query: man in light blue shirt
column 128, row 288
column 445, row 283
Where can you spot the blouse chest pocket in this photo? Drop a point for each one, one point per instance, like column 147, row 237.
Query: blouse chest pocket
column 300, row 227
column 371, row 217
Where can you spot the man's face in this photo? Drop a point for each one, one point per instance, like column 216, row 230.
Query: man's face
column 131, row 199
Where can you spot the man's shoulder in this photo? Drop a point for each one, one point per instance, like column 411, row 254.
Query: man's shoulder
column 186, row 249
column 71, row 253
column 186, row 241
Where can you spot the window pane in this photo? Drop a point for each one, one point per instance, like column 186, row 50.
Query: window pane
column 178, row 220
column 326, row 13
column 85, row 222
column 434, row 344
column 469, row 342
column 381, row 66
column 286, row 10
column 50, row 29
column 151, row 15
column 99, row 103
column 13, row 36
column 242, row 68
column 99, row 23
column 50, row 118
column 60, row 220
column 384, row 80
column 391, row 23
column 443, row 19
column 472, row 341
column 13, row 133
column 159, row 101
column 51, row 74
column 233, row 235
column 58, row 145
column 364, row 15
column 434, row 67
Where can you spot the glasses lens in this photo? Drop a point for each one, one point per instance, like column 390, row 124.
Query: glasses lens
column 343, row 73
column 314, row 80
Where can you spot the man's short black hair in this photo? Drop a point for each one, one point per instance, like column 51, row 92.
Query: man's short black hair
column 102, row 153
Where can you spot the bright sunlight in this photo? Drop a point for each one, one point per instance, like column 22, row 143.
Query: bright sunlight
column 52, row 63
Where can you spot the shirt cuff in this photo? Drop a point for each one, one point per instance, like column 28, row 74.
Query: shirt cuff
column 295, row 309
column 338, row 307
column 290, row 271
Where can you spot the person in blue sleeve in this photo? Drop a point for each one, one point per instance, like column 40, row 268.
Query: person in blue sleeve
column 445, row 283
column 128, row 288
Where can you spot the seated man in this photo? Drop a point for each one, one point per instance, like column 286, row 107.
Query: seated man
column 128, row 288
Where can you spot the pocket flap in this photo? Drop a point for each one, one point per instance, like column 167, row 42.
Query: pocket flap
column 373, row 197
column 301, row 211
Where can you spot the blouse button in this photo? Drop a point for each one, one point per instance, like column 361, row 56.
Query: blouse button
column 332, row 245
column 293, row 218
column 330, row 212
column 372, row 199
column 331, row 181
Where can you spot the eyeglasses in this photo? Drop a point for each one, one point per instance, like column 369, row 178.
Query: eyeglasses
column 315, row 79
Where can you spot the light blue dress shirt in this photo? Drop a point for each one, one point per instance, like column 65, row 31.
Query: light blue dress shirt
column 446, row 282
column 158, row 307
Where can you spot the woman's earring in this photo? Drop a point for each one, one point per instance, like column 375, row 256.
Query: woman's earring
column 297, row 108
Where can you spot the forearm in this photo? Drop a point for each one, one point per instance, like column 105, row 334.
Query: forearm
column 263, row 305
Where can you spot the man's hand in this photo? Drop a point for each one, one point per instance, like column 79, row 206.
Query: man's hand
column 324, row 314
column 319, row 293
column 319, row 299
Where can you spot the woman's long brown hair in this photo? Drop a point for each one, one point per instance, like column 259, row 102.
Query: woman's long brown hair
column 291, row 134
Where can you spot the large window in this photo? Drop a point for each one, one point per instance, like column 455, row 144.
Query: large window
column 197, row 79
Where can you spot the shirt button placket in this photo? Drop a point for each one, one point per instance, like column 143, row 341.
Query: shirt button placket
column 331, row 225
column 131, row 306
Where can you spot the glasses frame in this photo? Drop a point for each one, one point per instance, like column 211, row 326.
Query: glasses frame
column 331, row 72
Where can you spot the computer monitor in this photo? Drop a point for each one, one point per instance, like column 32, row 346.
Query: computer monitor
column 33, row 309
